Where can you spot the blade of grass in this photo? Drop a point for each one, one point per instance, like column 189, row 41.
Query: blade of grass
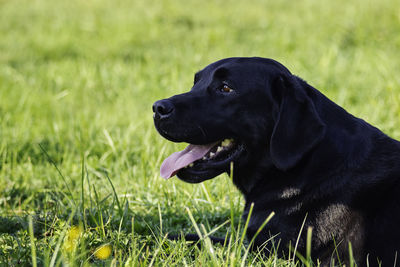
column 115, row 195
column 246, row 224
column 206, row 241
column 216, row 228
column 351, row 257
column 255, row 236
column 60, row 173
column 33, row 246
column 298, row 239
column 196, row 228
column 160, row 217
column 336, row 250
column 83, row 190
column 210, row 247
column 153, row 258
column 308, row 246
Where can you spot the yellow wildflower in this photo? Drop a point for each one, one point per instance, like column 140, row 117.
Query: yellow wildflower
column 72, row 237
column 103, row 252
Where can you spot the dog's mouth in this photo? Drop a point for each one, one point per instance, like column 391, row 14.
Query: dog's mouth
column 197, row 163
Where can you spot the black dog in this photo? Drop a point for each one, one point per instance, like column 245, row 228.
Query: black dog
column 295, row 152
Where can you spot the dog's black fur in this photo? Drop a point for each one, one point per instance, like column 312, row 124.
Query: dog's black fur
column 297, row 154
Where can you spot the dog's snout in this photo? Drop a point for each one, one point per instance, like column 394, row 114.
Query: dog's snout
column 163, row 108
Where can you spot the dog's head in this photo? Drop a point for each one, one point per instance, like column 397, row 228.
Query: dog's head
column 238, row 109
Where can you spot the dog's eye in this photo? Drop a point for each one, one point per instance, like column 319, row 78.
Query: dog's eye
column 226, row 89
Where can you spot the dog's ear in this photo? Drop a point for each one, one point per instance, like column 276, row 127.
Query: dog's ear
column 298, row 127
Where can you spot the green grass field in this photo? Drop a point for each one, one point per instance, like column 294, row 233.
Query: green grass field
column 79, row 156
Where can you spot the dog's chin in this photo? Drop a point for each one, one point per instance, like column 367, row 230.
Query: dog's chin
column 194, row 177
column 210, row 167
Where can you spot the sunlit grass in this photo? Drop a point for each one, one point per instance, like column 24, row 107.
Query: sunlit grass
column 78, row 150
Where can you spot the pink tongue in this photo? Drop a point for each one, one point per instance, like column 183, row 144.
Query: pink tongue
column 181, row 159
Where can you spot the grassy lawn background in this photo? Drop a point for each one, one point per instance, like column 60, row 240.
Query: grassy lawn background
column 77, row 143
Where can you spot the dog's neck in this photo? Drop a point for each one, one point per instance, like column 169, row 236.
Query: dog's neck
column 338, row 150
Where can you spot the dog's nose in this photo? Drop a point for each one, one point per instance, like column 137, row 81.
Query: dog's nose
column 163, row 108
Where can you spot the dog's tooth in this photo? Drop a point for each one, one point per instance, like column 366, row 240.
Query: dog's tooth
column 191, row 165
column 226, row 142
column 219, row 149
column 204, row 158
column 212, row 154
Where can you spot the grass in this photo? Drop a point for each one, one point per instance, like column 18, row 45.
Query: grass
column 79, row 156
